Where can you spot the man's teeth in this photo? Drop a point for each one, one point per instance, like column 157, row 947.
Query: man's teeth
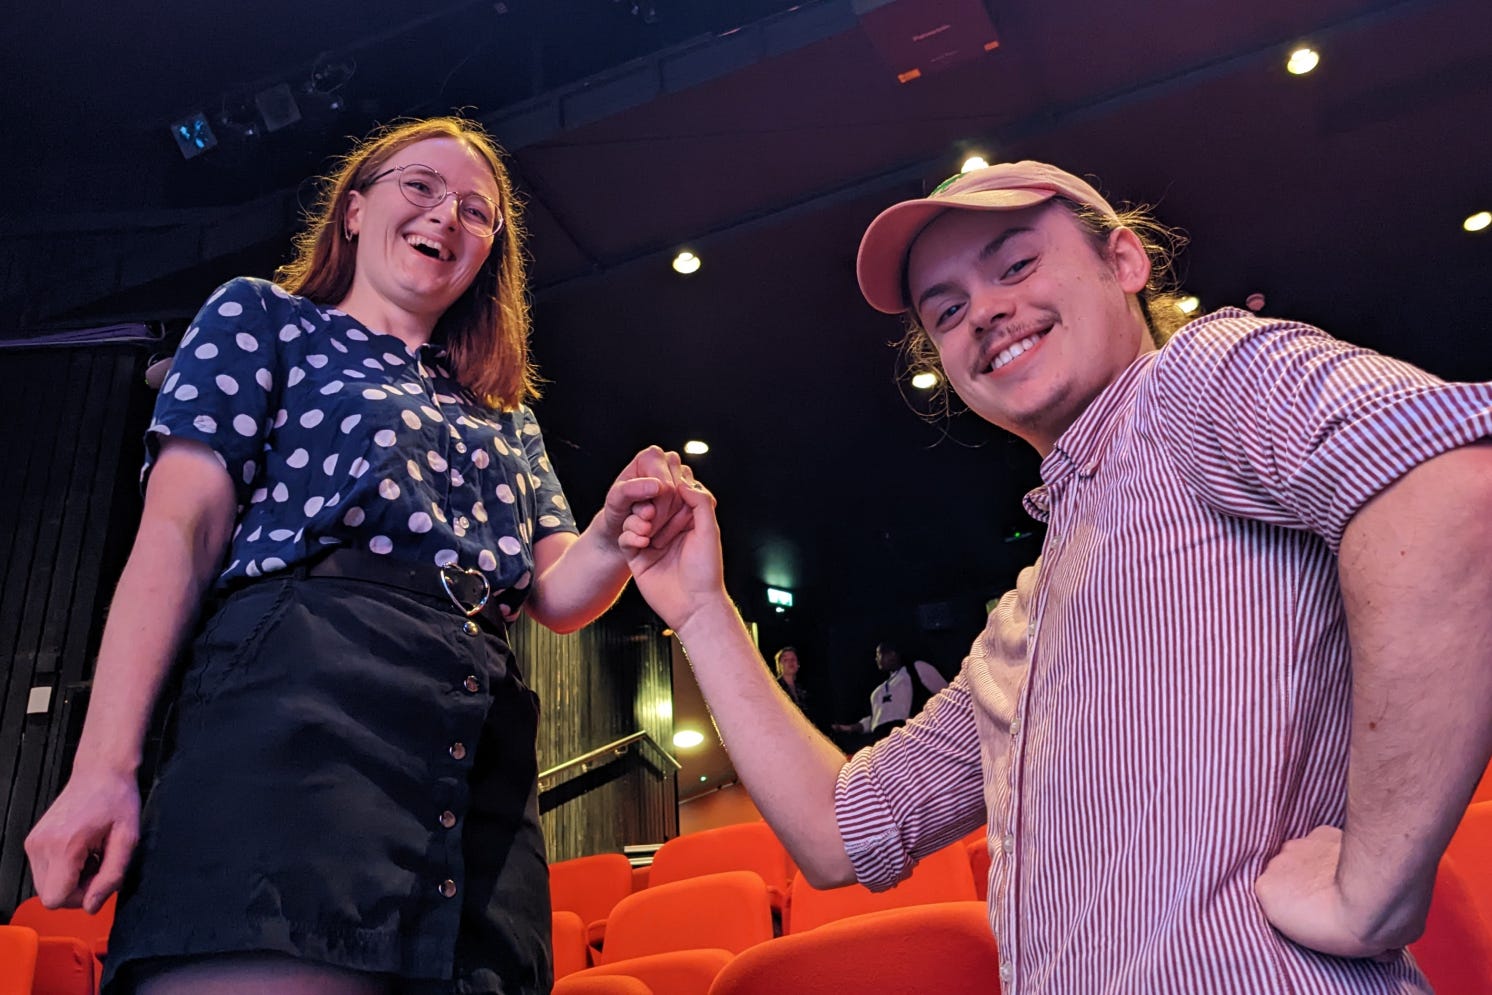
column 429, row 248
column 1012, row 351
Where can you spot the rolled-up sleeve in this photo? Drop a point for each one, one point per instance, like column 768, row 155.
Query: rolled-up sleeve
column 914, row 792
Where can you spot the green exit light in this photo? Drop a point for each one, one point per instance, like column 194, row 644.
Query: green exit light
column 781, row 598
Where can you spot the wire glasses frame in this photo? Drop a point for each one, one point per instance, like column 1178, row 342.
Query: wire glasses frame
column 424, row 187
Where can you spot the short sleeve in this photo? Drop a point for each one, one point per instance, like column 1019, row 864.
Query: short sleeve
column 222, row 383
column 1282, row 423
column 552, row 512
column 913, row 793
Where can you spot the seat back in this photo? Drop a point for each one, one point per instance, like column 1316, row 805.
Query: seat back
column 676, row 972
column 600, row 984
column 93, row 930
column 943, row 876
column 571, row 952
column 730, row 911
column 746, row 846
column 590, row 886
column 1455, row 951
column 946, row 948
column 17, row 959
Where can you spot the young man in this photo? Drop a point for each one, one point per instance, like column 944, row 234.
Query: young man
column 901, row 695
column 1225, row 727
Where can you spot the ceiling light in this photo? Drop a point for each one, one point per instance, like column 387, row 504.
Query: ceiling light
column 1303, row 60
column 972, row 163
column 1188, row 305
column 686, row 262
column 926, row 380
column 694, row 447
column 1478, row 221
column 686, row 739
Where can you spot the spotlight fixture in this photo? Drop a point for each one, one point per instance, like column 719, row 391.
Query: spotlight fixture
column 193, row 135
column 972, row 163
column 1302, row 61
column 686, row 739
column 925, row 380
column 1188, row 305
column 1480, row 221
column 694, row 447
column 686, row 263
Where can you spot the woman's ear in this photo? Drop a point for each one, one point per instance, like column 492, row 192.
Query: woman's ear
column 352, row 218
column 1129, row 259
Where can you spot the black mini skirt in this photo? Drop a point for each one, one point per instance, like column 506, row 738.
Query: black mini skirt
column 352, row 781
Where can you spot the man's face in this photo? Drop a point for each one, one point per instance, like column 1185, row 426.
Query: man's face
column 1030, row 320
column 887, row 659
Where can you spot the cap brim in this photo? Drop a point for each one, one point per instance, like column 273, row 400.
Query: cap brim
column 882, row 259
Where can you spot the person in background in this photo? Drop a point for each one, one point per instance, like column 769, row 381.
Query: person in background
column 1223, row 730
column 344, row 481
column 903, row 694
column 786, row 661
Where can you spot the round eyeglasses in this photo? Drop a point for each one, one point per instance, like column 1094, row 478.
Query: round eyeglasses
column 424, row 187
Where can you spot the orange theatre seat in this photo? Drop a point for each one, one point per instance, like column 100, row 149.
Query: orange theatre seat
column 1456, row 951
column 601, row 984
column 677, row 936
column 17, row 959
column 746, row 846
column 72, row 944
column 946, row 948
column 571, row 952
column 590, row 887
column 943, row 876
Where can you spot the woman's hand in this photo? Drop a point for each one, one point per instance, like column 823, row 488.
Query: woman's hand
column 650, row 481
column 81, row 846
column 676, row 561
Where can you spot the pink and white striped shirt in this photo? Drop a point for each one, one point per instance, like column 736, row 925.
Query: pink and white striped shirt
column 1183, row 708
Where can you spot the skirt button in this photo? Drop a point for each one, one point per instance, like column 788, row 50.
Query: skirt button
column 470, row 628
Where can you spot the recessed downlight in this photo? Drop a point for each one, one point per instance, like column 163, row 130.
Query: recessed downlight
column 686, row 263
column 687, row 739
column 1303, row 60
column 696, row 447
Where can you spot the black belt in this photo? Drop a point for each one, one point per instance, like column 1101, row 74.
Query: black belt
column 468, row 590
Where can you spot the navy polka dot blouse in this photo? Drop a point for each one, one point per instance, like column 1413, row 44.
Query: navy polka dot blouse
column 337, row 435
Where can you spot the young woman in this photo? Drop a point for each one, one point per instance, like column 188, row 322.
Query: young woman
column 343, row 464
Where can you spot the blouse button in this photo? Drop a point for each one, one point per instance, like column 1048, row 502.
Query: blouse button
column 460, row 447
column 463, row 522
column 470, row 628
column 472, row 685
column 448, row 888
column 458, row 750
column 447, row 820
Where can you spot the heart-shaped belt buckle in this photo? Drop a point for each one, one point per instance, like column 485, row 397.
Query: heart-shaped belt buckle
column 445, row 582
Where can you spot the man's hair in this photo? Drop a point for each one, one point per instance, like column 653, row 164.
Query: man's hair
column 1159, row 300
column 487, row 328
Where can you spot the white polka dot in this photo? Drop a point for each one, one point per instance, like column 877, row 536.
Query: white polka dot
column 530, row 429
column 298, row 459
column 445, row 557
column 374, row 394
column 230, row 309
column 281, row 493
column 296, row 376
column 205, row 423
column 354, row 517
column 252, row 569
column 227, row 384
column 329, row 465
column 246, row 342
column 245, row 426
column 522, row 483
column 313, row 506
column 254, row 536
column 191, row 334
column 480, row 459
column 280, row 535
column 372, row 364
column 385, row 437
column 289, row 332
column 334, row 500
column 349, row 422
column 499, row 445
column 549, row 521
column 456, row 479
column 437, row 462
column 316, row 360
column 413, row 388
column 440, row 516
column 338, row 346
column 509, row 545
column 410, row 418
column 382, row 545
column 414, row 470
column 420, row 522
column 313, row 418
column 248, row 471
column 281, row 417
column 356, row 334
column 273, row 563
column 206, row 351
column 186, row 392
column 444, row 399
column 523, row 580
column 358, row 468
column 222, row 462
column 486, row 560
column 264, row 379
column 393, row 360
column 388, row 489
column 505, row 494
column 479, row 512
column 430, row 412
column 258, row 496
column 558, row 500
column 170, row 383
column 332, row 387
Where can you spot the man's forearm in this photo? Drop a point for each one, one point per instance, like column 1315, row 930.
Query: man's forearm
column 1416, row 575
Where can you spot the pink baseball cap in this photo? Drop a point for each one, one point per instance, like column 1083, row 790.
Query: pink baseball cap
column 1005, row 186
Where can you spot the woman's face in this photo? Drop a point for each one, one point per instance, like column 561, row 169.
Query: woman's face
column 788, row 664
column 420, row 259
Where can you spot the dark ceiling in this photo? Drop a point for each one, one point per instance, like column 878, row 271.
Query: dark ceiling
column 764, row 136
